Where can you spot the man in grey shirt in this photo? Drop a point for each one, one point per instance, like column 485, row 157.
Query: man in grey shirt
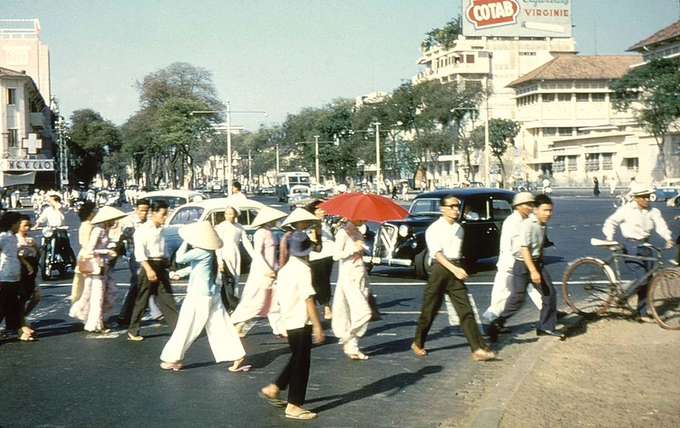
column 529, row 268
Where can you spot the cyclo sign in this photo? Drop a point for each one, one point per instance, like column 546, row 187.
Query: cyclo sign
column 490, row 13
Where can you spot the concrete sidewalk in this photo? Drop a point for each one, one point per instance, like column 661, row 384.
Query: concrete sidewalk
column 612, row 372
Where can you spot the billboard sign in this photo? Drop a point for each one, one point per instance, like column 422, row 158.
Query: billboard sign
column 517, row 18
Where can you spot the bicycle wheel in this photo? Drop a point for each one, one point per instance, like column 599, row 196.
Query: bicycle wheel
column 663, row 298
column 588, row 288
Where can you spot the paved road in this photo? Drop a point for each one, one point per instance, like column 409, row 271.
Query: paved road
column 70, row 378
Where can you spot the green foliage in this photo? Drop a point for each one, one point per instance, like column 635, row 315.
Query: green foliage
column 653, row 92
column 91, row 139
column 445, row 37
column 501, row 135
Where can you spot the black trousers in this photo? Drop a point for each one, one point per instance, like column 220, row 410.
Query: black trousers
column 163, row 292
column 441, row 282
column 521, row 278
column 296, row 373
column 321, row 279
column 131, row 296
column 228, row 291
column 10, row 304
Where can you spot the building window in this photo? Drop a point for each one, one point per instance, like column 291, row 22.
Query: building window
column 559, row 164
column 582, row 98
column 549, row 132
column 548, row 98
column 593, row 162
column 607, row 162
column 565, row 132
column 632, row 164
column 11, row 96
column 12, row 138
column 571, row 163
column 564, row 97
column 470, row 59
column 598, row 98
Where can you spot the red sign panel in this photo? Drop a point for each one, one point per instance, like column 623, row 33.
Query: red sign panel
column 490, row 13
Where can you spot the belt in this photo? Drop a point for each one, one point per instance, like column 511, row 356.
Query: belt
column 455, row 261
column 636, row 240
column 157, row 259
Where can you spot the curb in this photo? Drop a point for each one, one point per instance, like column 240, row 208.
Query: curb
column 494, row 404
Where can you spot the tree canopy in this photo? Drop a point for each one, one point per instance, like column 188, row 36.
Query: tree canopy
column 653, row 92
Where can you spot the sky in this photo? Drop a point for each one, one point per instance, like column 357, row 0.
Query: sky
column 279, row 56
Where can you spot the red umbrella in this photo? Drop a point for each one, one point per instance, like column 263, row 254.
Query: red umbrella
column 364, row 206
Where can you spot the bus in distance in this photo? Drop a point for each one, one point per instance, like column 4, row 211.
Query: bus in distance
column 286, row 180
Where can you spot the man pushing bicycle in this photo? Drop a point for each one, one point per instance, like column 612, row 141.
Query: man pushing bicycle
column 637, row 220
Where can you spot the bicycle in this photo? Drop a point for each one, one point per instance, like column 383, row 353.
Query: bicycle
column 603, row 285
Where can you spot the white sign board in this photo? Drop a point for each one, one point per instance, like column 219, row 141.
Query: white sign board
column 517, row 18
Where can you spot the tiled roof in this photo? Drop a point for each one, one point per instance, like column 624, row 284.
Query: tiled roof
column 668, row 33
column 577, row 67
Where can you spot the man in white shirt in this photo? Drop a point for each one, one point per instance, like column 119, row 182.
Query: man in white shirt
column 636, row 221
column 444, row 240
column 153, row 277
column 237, row 198
column 51, row 215
column 502, row 284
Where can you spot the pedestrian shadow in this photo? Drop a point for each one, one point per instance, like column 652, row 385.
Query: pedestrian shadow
column 390, row 386
column 393, row 303
column 45, row 328
column 401, row 345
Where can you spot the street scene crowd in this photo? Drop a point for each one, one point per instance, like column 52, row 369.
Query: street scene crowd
column 290, row 275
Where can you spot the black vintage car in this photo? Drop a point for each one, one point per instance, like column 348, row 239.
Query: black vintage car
column 482, row 211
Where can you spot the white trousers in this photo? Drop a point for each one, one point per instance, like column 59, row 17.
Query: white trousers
column 196, row 313
column 351, row 311
column 259, row 299
column 502, row 288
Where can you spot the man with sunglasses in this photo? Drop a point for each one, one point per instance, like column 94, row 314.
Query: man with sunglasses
column 636, row 221
column 444, row 240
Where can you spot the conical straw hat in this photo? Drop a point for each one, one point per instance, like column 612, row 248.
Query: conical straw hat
column 201, row 235
column 266, row 215
column 300, row 214
column 106, row 214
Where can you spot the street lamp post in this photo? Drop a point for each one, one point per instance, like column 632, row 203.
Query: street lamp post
column 230, row 171
column 378, row 171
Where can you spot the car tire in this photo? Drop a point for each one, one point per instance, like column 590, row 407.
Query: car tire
column 422, row 265
column 653, row 197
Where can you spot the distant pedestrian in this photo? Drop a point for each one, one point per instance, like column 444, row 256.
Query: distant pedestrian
column 596, row 187
column 299, row 316
column 444, row 240
column 529, row 268
column 202, row 307
column 404, row 191
column 612, row 186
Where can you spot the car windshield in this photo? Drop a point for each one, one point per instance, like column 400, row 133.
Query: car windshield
column 425, row 206
column 186, row 215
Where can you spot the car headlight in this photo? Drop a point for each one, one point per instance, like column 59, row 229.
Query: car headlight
column 404, row 230
column 48, row 232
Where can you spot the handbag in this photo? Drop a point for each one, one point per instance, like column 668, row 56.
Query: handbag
column 88, row 266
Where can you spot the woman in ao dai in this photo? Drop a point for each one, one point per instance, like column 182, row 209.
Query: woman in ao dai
column 99, row 291
column 202, row 306
column 258, row 298
column 351, row 311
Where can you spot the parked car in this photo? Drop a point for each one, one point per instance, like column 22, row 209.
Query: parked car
column 268, row 191
column 667, row 189
column 213, row 211
column 174, row 198
column 482, row 211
